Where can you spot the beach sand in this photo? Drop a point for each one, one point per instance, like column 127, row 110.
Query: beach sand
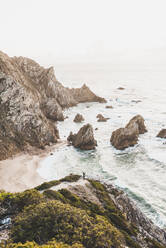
column 20, row 172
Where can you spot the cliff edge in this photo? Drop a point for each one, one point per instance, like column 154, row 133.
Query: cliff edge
column 31, row 101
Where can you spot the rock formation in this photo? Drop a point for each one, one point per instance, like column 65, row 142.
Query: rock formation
column 128, row 136
column 101, row 118
column 84, row 94
column 31, row 100
column 109, row 107
column 78, row 118
column 162, row 134
column 121, row 88
column 84, row 139
column 139, row 120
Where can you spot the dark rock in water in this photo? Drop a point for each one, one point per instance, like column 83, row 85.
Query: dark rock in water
column 128, row 136
column 136, row 101
column 96, row 128
column 162, row 134
column 109, row 107
column 121, row 88
column 78, row 118
column 124, row 137
column 101, row 118
column 84, row 139
column 139, row 120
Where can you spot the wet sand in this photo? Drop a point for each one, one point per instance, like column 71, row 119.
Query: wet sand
column 20, row 172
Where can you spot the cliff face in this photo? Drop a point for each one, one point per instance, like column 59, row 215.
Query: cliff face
column 31, row 100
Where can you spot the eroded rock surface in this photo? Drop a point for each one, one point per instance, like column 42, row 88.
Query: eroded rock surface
column 84, row 139
column 128, row 136
column 84, row 94
column 31, row 100
column 162, row 134
column 101, row 118
column 139, row 120
column 78, row 118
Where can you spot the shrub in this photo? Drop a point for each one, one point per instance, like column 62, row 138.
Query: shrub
column 54, row 219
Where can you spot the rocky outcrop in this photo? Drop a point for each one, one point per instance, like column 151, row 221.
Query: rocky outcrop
column 22, row 122
column 162, row 134
column 52, row 110
column 109, row 107
column 101, row 118
column 84, row 94
column 31, row 100
column 128, row 136
column 106, row 214
column 84, row 139
column 78, row 118
column 139, row 120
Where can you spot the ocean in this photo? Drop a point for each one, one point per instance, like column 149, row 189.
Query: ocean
column 141, row 170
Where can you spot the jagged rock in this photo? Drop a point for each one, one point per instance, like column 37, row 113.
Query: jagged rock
column 31, row 99
column 109, row 107
column 162, row 134
column 84, row 94
column 78, row 118
column 128, row 136
column 52, row 110
column 101, row 118
column 140, row 121
column 84, row 139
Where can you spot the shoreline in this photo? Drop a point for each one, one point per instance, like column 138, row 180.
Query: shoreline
column 19, row 173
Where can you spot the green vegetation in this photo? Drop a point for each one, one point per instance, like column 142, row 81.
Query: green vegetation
column 61, row 219
column 48, row 185
column 18, row 201
column 54, row 219
column 50, row 244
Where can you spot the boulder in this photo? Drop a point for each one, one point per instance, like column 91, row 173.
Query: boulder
column 52, row 110
column 121, row 88
column 140, row 121
column 109, row 107
column 128, row 136
column 78, row 118
column 162, row 134
column 101, row 118
column 84, row 139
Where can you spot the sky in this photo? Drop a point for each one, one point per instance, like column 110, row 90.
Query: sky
column 82, row 30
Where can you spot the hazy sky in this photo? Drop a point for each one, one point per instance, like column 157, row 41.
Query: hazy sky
column 81, row 29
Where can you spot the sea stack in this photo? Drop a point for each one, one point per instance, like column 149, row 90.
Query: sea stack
column 84, row 139
column 128, row 136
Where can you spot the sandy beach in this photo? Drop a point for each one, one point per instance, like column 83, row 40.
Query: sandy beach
column 20, row 172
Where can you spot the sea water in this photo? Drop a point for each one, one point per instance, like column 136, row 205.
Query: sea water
column 141, row 170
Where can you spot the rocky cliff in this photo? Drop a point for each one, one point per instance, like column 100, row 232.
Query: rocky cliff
column 80, row 213
column 31, row 100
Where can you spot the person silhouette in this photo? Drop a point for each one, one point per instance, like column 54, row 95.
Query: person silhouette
column 83, row 175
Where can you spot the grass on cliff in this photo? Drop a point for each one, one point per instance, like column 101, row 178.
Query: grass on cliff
column 47, row 185
column 62, row 219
